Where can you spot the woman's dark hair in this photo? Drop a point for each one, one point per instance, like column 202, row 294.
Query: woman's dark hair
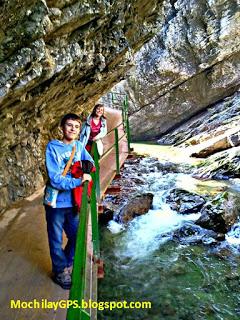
column 99, row 105
column 70, row 116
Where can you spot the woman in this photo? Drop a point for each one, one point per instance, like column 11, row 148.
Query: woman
column 94, row 129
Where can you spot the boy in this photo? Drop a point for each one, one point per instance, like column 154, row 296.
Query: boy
column 63, row 217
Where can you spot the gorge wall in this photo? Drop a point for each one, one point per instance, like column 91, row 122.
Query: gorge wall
column 61, row 56
column 58, row 56
column 192, row 63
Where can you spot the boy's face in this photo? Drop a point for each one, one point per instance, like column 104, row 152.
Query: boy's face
column 71, row 130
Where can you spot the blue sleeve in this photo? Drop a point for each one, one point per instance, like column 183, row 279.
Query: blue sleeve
column 55, row 171
column 84, row 134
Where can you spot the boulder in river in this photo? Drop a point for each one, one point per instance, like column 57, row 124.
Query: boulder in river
column 193, row 234
column 220, row 213
column 136, row 207
column 185, row 202
column 106, row 216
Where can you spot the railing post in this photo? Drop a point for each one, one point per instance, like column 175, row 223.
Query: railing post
column 97, row 175
column 124, row 113
column 112, row 97
column 127, row 124
column 94, row 216
column 117, row 151
column 128, row 136
column 79, row 265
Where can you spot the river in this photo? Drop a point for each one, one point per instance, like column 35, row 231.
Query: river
column 181, row 279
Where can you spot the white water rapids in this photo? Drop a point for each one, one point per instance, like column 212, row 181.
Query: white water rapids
column 146, row 233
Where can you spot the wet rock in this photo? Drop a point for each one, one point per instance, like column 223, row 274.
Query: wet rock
column 112, row 202
column 178, row 270
column 167, row 308
column 223, row 165
column 220, row 213
column 184, row 202
column 234, row 139
column 151, row 164
column 130, row 181
column 193, row 234
column 235, row 231
column 168, row 167
column 137, row 180
column 137, row 206
column 105, row 217
column 216, row 144
column 223, row 252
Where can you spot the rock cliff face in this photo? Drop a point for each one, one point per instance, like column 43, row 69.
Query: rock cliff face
column 213, row 135
column 58, row 56
column 193, row 62
column 214, row 121
column 61, row 56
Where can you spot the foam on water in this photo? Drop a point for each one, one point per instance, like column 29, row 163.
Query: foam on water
column 146, row 233
column 233, row 236
column 115, row 227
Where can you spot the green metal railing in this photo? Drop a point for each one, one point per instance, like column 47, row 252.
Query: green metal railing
column 79, row 266
column 77, row 292
column 98, row 160
column 125, row 109
column 94, row 217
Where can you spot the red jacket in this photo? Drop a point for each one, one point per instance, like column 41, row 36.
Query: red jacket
column 77, row 172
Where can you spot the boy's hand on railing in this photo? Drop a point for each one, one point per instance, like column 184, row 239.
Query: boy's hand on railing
column 86, row 177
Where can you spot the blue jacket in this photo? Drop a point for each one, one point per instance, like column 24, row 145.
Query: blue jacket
column 86, row 130
column 57, row 156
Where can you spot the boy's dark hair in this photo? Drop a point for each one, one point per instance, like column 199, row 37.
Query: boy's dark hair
column 70, row 116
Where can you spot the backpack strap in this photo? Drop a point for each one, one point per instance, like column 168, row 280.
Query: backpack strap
column 68, row 165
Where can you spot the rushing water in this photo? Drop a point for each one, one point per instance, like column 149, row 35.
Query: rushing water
column 182, row 281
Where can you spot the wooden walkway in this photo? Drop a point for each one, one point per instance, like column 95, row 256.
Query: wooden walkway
column 25, row 265
column 108, row 164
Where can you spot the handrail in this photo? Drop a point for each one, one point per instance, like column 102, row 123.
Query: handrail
column 110, row 149
column 78, row 287
column 126, row 126
column 125, row 106
column 119, row 93
column 95, row 154
column 77, row 290
column 117, row 151
column 114, row 128
column 79, row 264
column 97, row 160
column 94, row 218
